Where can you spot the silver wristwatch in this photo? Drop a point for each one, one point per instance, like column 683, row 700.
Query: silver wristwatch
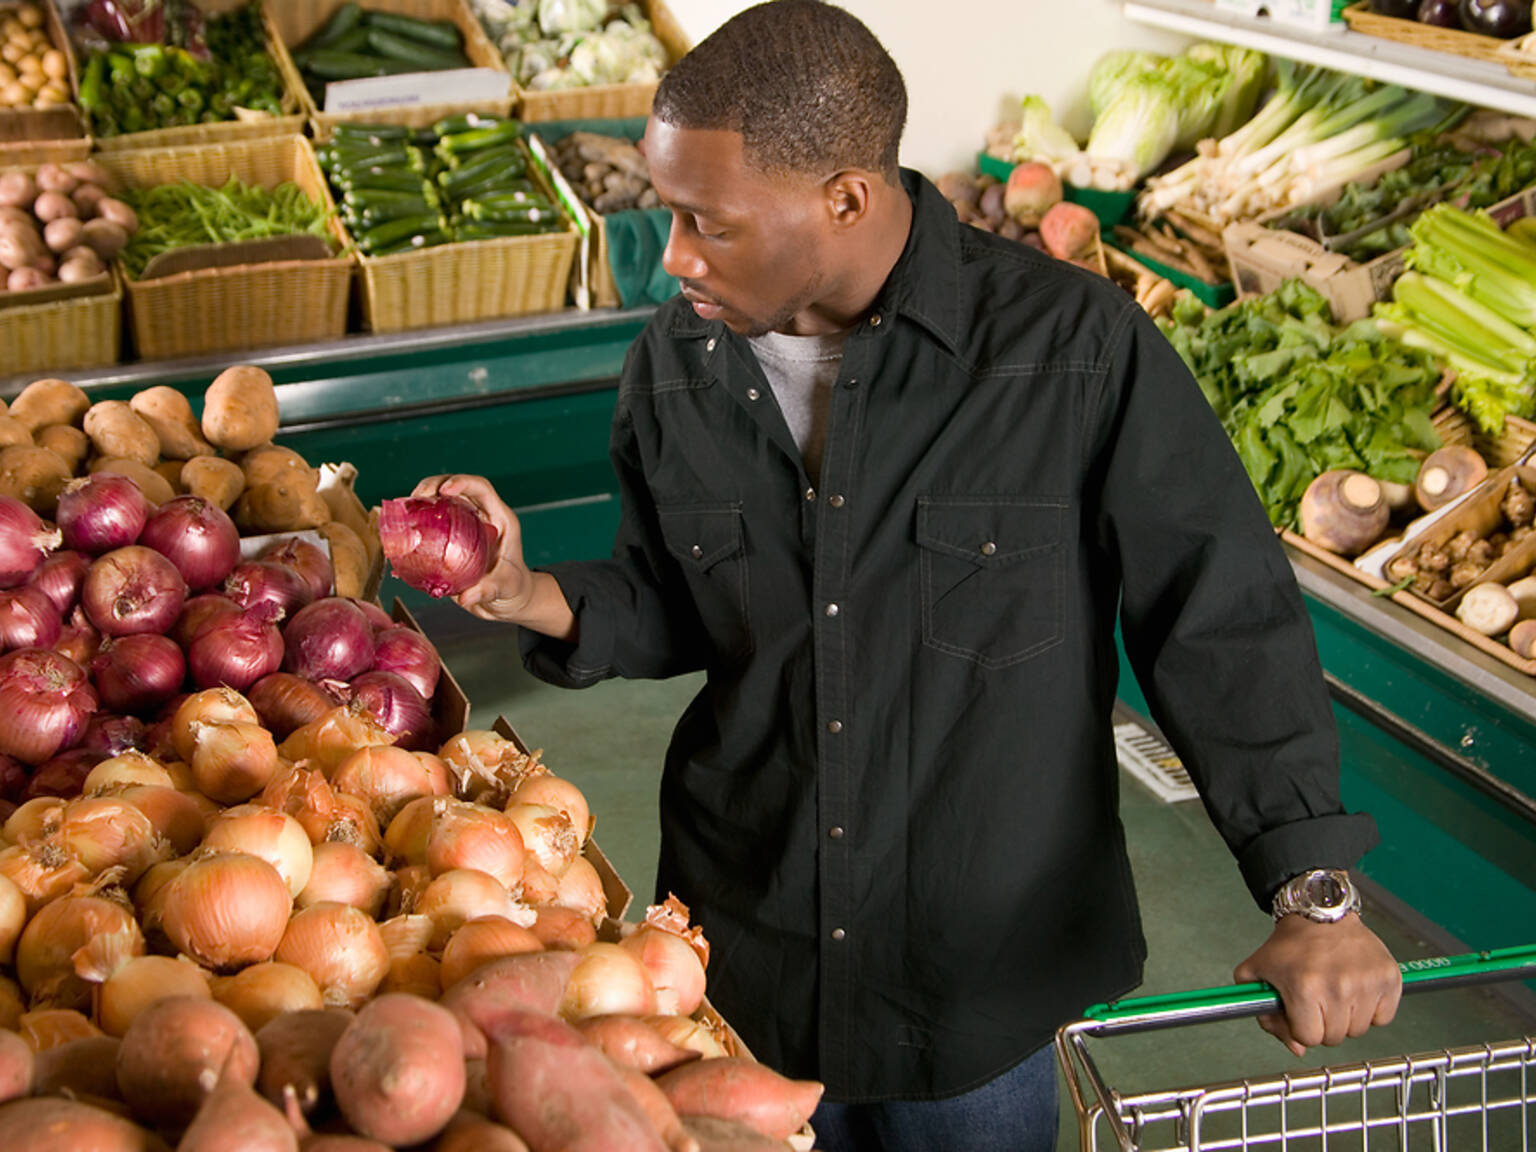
column 1325, row 895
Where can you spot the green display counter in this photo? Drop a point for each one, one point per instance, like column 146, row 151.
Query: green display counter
column 1439, row 740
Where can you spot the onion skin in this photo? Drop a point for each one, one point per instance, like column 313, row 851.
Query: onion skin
column 197, row 536
column 438, row 544
column 286, row 702
column 171, row 1054
column 28, row 618
column 328, row 639
column 398, row 1069
column 59, row 578
column 261, row 581
column 46, row 701
column 407, row 652
column 308, row 560
column 236, row 651
column 340, row 947
column 132, row 589
column 202, row 918
column 101, row 512
column 392, row 701
column 137, row 674
column 24, row 540
column 263, row 992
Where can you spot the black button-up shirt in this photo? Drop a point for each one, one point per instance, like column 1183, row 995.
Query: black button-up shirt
column 892, row 806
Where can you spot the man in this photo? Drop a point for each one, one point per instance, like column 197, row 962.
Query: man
column 888, row 480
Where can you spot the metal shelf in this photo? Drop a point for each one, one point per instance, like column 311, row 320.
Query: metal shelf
column 1444, row 74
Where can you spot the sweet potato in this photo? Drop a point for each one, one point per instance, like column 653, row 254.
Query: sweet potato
column 349, row 558
column 233, row 1118
column 68, row 441
column 285, row 506
column 471, row 1132
column 169, row 413
column 558, row 1092
column 85, row 1069
column 657, row 1108
column 154, row 486
column 296, row 1052
column 340, row 1142
column 35, row 476
column 54, row 1124
column 631, row 1042
column 735, row 1088
column 172, row 1052
column 215, row 479
column 716, row 1135
column 17, row 1070
column 398, row 1069
column 49, row 402
column 533, row 982
column 240, row 409
column 116, row 429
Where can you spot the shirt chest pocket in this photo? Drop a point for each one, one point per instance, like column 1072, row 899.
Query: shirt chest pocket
column 991, row 570
column 707, row 543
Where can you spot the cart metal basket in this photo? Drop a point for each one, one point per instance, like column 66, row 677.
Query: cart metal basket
column 1475, row 1099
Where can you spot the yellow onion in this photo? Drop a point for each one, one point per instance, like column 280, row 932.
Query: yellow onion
column 226, row 910
column 538, row 888
column 410, row 882
column 485, row 765
column 478, row 941
column 470, row 836
column 45, row 1028
column 149, row 892
column 345, row 874
column 13, row 1003
column 692, row 1034
column 37, row 819
column 110, row 832
column 131, row 767
column 176, row 817
column 326, row 742
column 210, row 706
column 675, row 970
column 406, row 934
column 13, row 918
column 438, row 776
column 608, row 981
column 557, row 792
column 232, row 761
column 353, row 823
column 385, row 776
column 407, row 834
column 45, row 954
column 581, row 889
column 548, row 835
column 141, row 981
column 180, row 773
column 43, row 870
column 305, row 794
column 463, row 894
column 419, row 974
column 341, row 949
column 563, row 928
column 265, row 832
column 265, row 991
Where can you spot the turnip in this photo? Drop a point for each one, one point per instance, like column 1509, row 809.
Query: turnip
column 1446, row 473
column 1344, row 511
column 1032, row 189
column 1488, row 608
column 1069, row 231
column 1522, row 638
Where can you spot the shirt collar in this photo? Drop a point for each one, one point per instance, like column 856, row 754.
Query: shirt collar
column 924, row 284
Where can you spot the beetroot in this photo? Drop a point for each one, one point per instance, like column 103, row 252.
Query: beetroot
column 1033, row 189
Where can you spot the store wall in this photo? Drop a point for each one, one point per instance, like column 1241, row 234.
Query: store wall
column 968, row 61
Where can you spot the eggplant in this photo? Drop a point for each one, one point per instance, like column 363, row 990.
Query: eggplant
column 1504, row 19
column 1401, row 9
column 1440, row 13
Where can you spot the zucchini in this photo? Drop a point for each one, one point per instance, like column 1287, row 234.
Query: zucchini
column 400, row 230
column 344, row 20
column 379, row 179
column 493, row 230
column 463, row 122
column 328, row 64
column 372, row 133
column 414, row 243
column 421, row 57
column 481, row 213
column 499, row 166
column 436, row 33
column 476, row 139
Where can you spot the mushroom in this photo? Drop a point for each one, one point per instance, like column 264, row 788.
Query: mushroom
column 1488, row 608
column 1344, row 511
column 1446, row 473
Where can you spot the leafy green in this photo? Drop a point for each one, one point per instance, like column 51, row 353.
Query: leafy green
column 1300, row 395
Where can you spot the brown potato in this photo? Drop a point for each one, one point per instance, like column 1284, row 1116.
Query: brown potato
column 240, row 409
column 346, row 508
column 13, row 431
column 154, row 486
column 349, row 558
column 169, row 413
column 33, row 475
column 171, row 470
column 280, row 507
column 273, row 464
column 116, row 429
column 68, row 441
column 215, row 479
column 50, row 401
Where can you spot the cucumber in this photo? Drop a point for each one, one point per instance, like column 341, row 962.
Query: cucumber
column 342, row 21
column 435, row 33
column 328, row 64
column 421, row 57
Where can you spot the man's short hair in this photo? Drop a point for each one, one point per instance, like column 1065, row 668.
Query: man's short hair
column 806, row 84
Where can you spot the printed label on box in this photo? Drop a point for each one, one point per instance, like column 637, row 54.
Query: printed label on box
column 411, row 89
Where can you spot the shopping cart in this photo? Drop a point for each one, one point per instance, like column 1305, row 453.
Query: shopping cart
column 1475, row 1099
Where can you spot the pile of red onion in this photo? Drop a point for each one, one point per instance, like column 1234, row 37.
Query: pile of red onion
column 109, row 617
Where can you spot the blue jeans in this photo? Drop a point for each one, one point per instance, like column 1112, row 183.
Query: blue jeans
column 1016, row 1112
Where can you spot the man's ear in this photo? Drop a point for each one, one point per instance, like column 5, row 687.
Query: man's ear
column 848, row 197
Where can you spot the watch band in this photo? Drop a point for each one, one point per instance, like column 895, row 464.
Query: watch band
column 1323, row 895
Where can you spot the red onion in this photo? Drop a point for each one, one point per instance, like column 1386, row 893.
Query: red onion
column 133, row 589
column 13, row 778
column 377, row 617
column 307, row 559
column 197, row 536
column 78, row 639
column 412, row 655
column 198, row 611
column 45, row 701
column 28, row 619
column 261, row 581
column 62, row 775
column 328, row 640
column 109, row 735
column 25, row 538
column 397, row 706
column 59, row 577
column 286, row 702
column 439, row 544
column 236, row 651
column 100, row 512
column 138, row 673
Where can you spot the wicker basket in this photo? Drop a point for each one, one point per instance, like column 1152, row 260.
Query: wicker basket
column 1519, row 56
column 31, row 153
column 1360, row 18
column 242, row 306
column 247, row 126
column 32, row 125
column 1512, row 443
column 298, row 20
column 608, row 101
column 79, row 332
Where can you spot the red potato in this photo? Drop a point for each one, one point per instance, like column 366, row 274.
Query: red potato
column 631, row 1042
column 17, row 1066
column 398, row 1070
column 531, row 982
column 296, row 1052
column 172, row 1053
column 559, row 1093
column 54, row 1124
column 233, row 1118
column 735, row 1088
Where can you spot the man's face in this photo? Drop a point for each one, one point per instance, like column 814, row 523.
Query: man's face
column 746, row 245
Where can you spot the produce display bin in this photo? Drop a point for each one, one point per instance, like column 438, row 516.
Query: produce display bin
column 1211, row 295
column 607, row 101
column 1360, row 18
column 297, row 20
column 244, row 305
column 1109, row 207
column 80, row 331
column 1519, row 56
column 33, row 125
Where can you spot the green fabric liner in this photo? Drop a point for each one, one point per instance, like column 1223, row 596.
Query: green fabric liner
column 636, row 238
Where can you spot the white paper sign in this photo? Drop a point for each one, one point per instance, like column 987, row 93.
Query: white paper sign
column 410, row 89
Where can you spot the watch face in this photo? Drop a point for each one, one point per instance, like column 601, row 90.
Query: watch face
column 1323, row 890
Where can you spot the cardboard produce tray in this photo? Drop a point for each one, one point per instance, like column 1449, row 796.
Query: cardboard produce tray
column 245, row 304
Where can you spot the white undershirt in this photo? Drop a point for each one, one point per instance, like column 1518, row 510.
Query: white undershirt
column 802, row 371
